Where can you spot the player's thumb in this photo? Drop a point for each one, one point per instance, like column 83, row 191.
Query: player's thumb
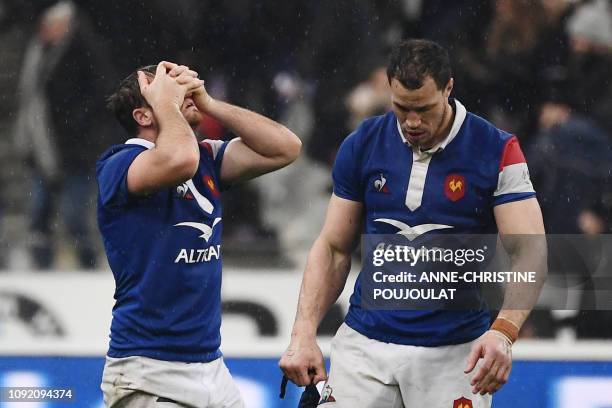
column 320, row 374
column 473, row 358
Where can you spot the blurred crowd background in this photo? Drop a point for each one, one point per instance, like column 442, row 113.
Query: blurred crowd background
column 538, row 68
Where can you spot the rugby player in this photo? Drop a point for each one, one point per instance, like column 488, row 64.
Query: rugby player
column 426, row 167
column 159, row 213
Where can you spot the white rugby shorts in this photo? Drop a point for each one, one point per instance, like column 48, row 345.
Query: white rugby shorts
column 141, row 382
column 368, row 373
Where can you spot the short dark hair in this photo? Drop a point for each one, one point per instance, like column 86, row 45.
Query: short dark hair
column 127, row 97
column 412, row 60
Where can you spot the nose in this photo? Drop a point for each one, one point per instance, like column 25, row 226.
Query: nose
column 413, row 120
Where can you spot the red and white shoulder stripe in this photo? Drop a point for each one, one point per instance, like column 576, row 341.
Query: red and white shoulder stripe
column 513, row 172
column 212, row 146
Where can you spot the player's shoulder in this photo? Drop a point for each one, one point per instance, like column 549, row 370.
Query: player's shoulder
column 119, row 151
column 485, row 134
column 115, row 161
column 210, row 148
column 369, row 130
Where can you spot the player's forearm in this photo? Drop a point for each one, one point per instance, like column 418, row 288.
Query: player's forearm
column 324, row 279
column 528, row 253
column 176, row 144
column 264, row 136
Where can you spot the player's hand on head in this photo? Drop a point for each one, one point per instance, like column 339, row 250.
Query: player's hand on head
column 496, row 351
column 303, row 363
column 175, row 70
column 187, row 78
column 201, row 98
column 162, row 88
column 192, row 84
column 195, row 86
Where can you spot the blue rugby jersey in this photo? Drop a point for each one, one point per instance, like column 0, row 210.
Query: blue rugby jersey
column 450, row 188
column 164, row 250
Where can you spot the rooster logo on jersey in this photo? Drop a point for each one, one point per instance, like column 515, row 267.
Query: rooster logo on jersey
column 454, row 187
column 462, row 403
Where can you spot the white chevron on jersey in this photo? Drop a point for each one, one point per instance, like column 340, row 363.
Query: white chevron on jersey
column 412, row 232
column 205, row 229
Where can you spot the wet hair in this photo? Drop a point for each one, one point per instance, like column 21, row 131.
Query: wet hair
column 127, row 97
column 411, row 61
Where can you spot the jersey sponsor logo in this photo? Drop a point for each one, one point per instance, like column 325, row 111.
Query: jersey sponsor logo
column 191, row 256
column 462, row 403
column 380, row 184
column 326, row 395
column 455, row 187
column 412, row 232
column 205, row 229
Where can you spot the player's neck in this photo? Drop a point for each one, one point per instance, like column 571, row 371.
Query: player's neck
column 445, row 127
column 147, row 134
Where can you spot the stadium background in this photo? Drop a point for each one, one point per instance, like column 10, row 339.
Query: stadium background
column 538, row 68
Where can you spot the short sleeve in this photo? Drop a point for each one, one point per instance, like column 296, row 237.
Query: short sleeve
column 513, row 181
column 346, row 174
column 112, row 177
column 216, row 149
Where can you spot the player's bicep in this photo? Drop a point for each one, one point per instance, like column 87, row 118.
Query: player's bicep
column 343, row 224
column 519, row 217
column 151, row 171
column 241, row 163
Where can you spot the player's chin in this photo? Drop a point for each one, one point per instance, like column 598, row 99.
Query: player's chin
column 422, row 139
column 193, row 117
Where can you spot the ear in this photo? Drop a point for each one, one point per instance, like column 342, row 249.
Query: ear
column 449, row 87
column 143, row 116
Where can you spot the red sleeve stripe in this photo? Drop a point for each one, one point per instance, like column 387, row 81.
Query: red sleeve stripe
column 208, row 147
column 512, row 153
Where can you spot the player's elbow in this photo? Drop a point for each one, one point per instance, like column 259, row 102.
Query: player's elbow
column 295, row 147
column 292, row 146
column 183, row 165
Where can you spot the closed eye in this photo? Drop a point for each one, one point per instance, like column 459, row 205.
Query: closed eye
column 420, row 109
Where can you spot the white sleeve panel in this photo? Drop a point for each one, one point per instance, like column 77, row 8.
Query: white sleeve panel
column 514, row 179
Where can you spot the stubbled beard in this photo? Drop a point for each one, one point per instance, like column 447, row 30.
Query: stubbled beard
column 194, row 119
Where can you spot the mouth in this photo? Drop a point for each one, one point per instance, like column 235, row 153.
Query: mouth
column 189, row 103
column 412, row 135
